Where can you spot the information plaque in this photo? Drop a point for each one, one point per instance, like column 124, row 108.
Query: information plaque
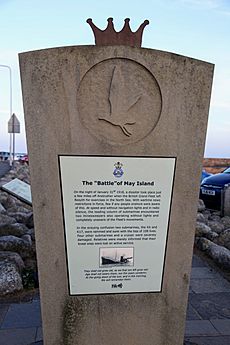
column 19, row 189
column 116, row 217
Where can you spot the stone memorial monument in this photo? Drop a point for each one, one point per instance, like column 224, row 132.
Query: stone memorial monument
column 116, row 137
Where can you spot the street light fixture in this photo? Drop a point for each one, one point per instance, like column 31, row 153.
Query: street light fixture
column 9, row 69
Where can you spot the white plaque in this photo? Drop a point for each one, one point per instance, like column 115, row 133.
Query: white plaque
column 116, row 218
column 19, row 189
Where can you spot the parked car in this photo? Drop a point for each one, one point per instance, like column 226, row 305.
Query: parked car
column 211, row 187
column 24, row 159
column 204, row 174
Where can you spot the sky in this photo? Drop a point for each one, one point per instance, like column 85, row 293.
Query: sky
column 196, row 28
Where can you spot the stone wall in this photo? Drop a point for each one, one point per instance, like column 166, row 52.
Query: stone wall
column 18, row 267
column 213, row 235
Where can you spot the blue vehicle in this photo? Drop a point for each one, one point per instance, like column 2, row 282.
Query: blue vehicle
column 211, row 187
column 204, row 174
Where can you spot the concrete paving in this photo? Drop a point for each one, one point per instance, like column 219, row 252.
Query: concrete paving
column 208, row 314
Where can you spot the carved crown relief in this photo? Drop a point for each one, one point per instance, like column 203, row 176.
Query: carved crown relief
column 119, row 101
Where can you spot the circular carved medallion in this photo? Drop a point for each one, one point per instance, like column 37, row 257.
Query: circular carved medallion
column 119, row 101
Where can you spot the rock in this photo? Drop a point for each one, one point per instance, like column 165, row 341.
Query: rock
column 22, row 217
column 27, row 238
column 215, row 214
column 214, row 218
column 219, row 254
column 3, row 195
column 30, row 264
column 10, row 278
column 206, row 214
column 203, row 230
column 15, row 244
column 226, row 222
column 8, row 201
column 13, row 258
column 18, row 208
column 16, row 229
column 23, row 173
column 201, row 218
column 30, row 221
column 31, row 232
column 216, row 226
column 5, row 219
column 2, row 209
column 201, row 205
column 224, row 239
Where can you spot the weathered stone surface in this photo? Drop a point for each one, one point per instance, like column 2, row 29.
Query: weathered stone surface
column 10, row 278
column 12, row 257
column 8, row 201
column 201, row 218
column 224, row 239
column 27, row 238
column 219, row 254
column 18, row 208
column 206, row 214
column 30, row 263
column 2, row 209
column 31, row 232
column 15, row 244
column 5, row 219
column 15, row 229
column 23, row 173
column 216, row 226
column 3, row 195
column 226, row 221
column 201, row 205
column 22, row 217
column 30, row 221
column 203, row 230
column 215, row 214
column 214, row 218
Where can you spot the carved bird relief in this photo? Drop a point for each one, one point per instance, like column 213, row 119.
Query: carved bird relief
column 120, row 104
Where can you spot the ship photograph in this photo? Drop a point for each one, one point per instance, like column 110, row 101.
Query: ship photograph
column 116, row 256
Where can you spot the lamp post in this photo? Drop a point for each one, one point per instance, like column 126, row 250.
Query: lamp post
column 10, row 89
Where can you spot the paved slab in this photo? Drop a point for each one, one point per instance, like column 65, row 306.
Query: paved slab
column 3, row 311
column 39, row 335
column 222, row 326
column 211, row 305
column 204, row 273
column 200, row 327
column 217, row 340
column 208, row 312
column 192, row 313
column 198, row 262
column 22, row 316
column 204, row 285
column 21, row 336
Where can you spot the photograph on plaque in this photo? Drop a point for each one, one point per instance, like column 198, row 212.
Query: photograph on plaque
column 116, row 214
column 116, row 257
